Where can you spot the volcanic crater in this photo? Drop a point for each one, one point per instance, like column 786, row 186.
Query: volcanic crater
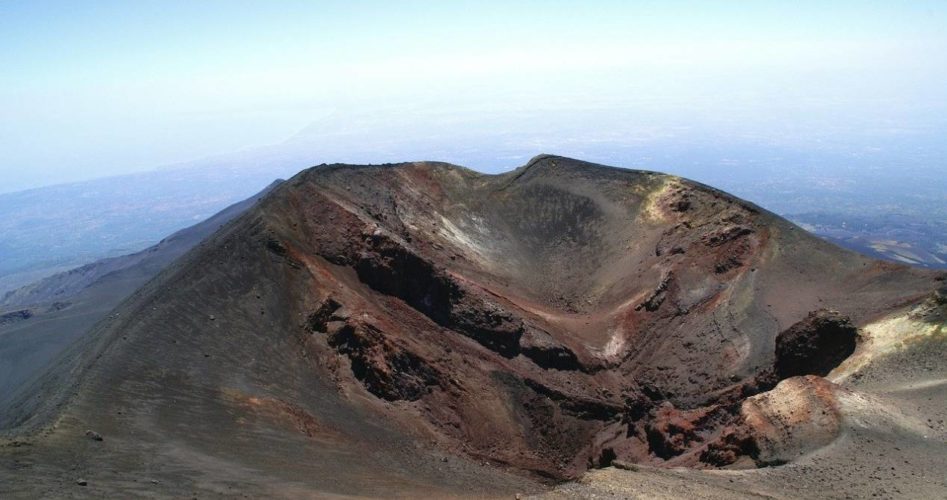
column 530, row 326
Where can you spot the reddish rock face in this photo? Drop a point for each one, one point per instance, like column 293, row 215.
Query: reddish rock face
column 617, row 314
column 551, row 319
column 672, row 432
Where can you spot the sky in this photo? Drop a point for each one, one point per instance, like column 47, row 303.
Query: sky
column 92, row 89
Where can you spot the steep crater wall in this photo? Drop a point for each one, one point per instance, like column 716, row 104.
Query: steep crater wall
column 619, row 316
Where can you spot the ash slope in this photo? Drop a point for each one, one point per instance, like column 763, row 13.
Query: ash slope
column 53, row 312
column 424, row 329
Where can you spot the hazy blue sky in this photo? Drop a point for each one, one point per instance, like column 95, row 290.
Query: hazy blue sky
column 89, row 89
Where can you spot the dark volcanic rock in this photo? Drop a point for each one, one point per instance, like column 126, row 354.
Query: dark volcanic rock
column 319, row 319
column 15, row 316
column 815, row 345
column 657, row 296
column 543, row 349
column 385, row 369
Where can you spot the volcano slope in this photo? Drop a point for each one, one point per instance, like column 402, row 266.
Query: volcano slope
column 424, row 330
column 51, row 313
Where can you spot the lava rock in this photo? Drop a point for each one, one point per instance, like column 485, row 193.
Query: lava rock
column 815, row 345
column 15, row 316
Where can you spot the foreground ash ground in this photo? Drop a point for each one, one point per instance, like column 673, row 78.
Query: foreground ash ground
column 562, row 330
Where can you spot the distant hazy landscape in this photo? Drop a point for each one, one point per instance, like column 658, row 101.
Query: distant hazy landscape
column 887, row 202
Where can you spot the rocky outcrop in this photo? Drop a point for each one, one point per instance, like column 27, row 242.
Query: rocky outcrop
column 815, row 345
column 385, row 369
column 15, row 316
